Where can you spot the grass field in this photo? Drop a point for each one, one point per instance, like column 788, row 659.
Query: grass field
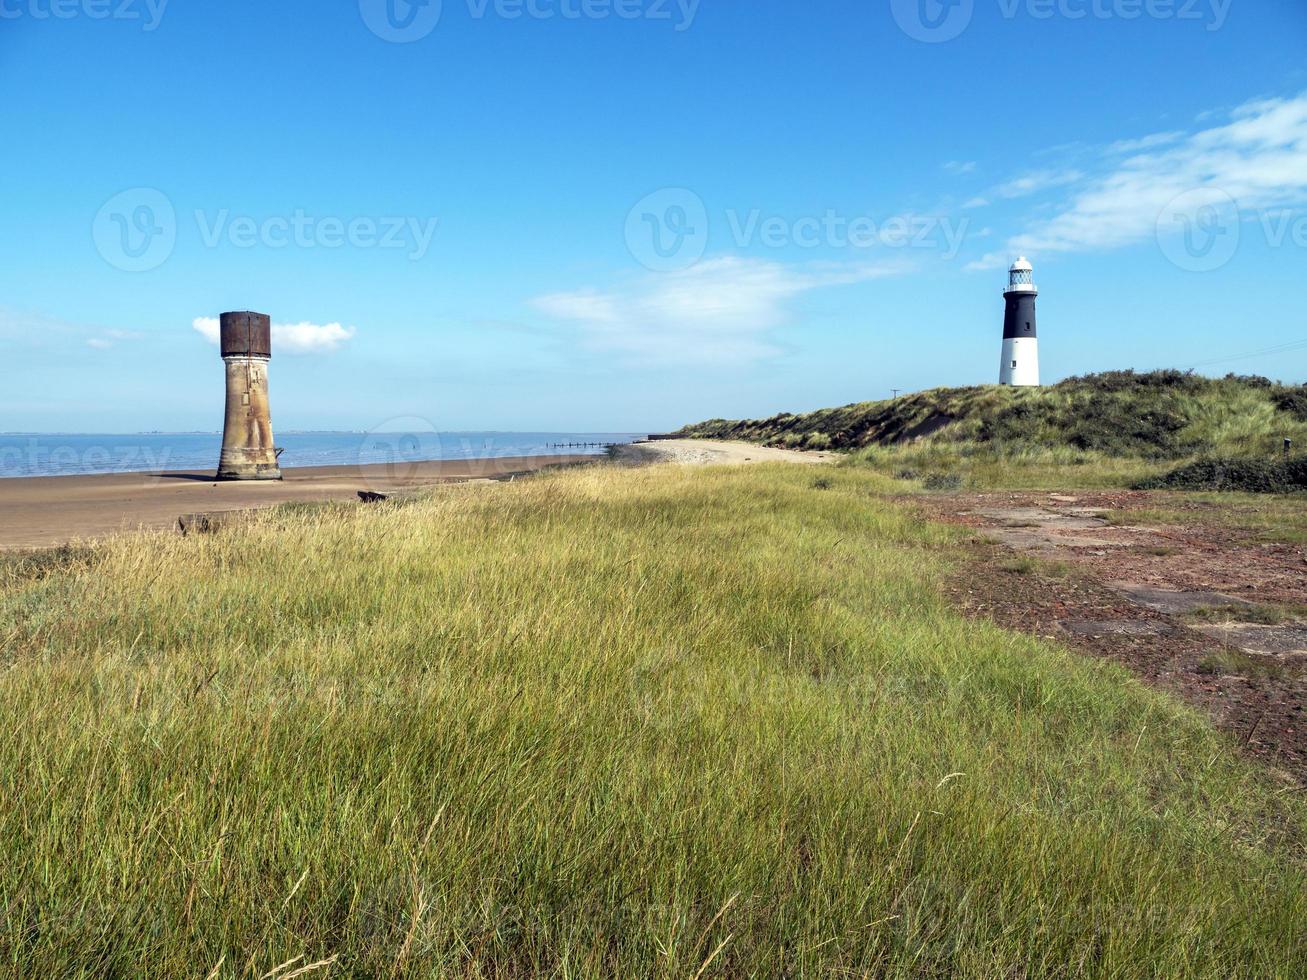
column 671, row 722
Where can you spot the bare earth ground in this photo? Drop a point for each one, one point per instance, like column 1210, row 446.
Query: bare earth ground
column 38, row 512
column 1142, row 596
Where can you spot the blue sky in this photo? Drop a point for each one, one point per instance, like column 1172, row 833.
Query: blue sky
column 450, row 210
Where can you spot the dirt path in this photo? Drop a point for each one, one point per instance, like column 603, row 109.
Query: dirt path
column 38, row 512
column 1207, row 612
column 700, row 452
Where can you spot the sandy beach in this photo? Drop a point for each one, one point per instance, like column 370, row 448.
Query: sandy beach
column 37, row 512
column 707, row 452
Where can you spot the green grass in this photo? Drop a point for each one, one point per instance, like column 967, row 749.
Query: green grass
column 975, row 467
column 1234, row 662
column 1265, row 518
column 664, row 722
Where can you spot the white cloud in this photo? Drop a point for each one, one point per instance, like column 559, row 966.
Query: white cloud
column 208, row 328
column 1040, row 180
column 718, row 310
column 289, row 338
column 1121, row 147
column 960, row 166
column 1258, row 159
column 309, row 338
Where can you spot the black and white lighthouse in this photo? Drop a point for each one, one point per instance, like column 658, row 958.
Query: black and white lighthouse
column 1020, row 365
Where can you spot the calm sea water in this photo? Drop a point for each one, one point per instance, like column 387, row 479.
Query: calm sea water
column 65, row 455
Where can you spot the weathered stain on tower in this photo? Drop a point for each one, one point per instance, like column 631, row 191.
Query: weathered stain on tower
column 247, row 449
column 1020, row 347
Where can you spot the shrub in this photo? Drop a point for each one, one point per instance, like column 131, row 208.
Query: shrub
column 1293, row 401
column 943, row 481
column 1224, row 473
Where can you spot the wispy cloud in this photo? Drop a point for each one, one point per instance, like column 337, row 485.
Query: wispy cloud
column 289, row 338
column 960, row 167
column 1034, row 183
column 1121, row 147
column 1257, row 159
column 110, row 338
column 721, row 310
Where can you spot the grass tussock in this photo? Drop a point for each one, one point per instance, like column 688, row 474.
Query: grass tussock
column 663, row 722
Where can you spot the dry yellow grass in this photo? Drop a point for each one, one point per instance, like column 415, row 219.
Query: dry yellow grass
column 607, row 722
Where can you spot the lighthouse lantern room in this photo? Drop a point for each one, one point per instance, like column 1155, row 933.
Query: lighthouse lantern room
column 1020, row 365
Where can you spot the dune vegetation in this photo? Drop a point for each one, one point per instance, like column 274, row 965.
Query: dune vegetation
column 1109, row 429
column 604, row 722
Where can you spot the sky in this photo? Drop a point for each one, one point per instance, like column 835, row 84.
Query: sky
column 627, row 215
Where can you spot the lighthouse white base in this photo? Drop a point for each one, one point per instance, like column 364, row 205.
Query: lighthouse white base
column 1020, row 366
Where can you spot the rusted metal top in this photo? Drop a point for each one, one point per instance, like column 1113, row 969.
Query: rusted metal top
column 246, row 335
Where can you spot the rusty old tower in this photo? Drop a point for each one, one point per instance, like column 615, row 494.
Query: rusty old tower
column 247, row 449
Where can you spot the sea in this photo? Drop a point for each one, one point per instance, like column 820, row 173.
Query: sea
column 46, row 454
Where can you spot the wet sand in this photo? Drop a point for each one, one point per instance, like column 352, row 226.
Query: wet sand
column 37, row 512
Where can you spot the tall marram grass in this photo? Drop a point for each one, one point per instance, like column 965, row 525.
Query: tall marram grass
column 603, row 723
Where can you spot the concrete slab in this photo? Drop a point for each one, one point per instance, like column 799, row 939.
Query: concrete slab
column 1172, row 601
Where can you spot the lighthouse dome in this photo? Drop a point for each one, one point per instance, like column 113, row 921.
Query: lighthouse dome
column 1021, row 277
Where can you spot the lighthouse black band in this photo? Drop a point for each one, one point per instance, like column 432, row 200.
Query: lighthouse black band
column 1019, row 318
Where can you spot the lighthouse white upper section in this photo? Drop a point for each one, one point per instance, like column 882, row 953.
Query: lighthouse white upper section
column 1021, row 277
